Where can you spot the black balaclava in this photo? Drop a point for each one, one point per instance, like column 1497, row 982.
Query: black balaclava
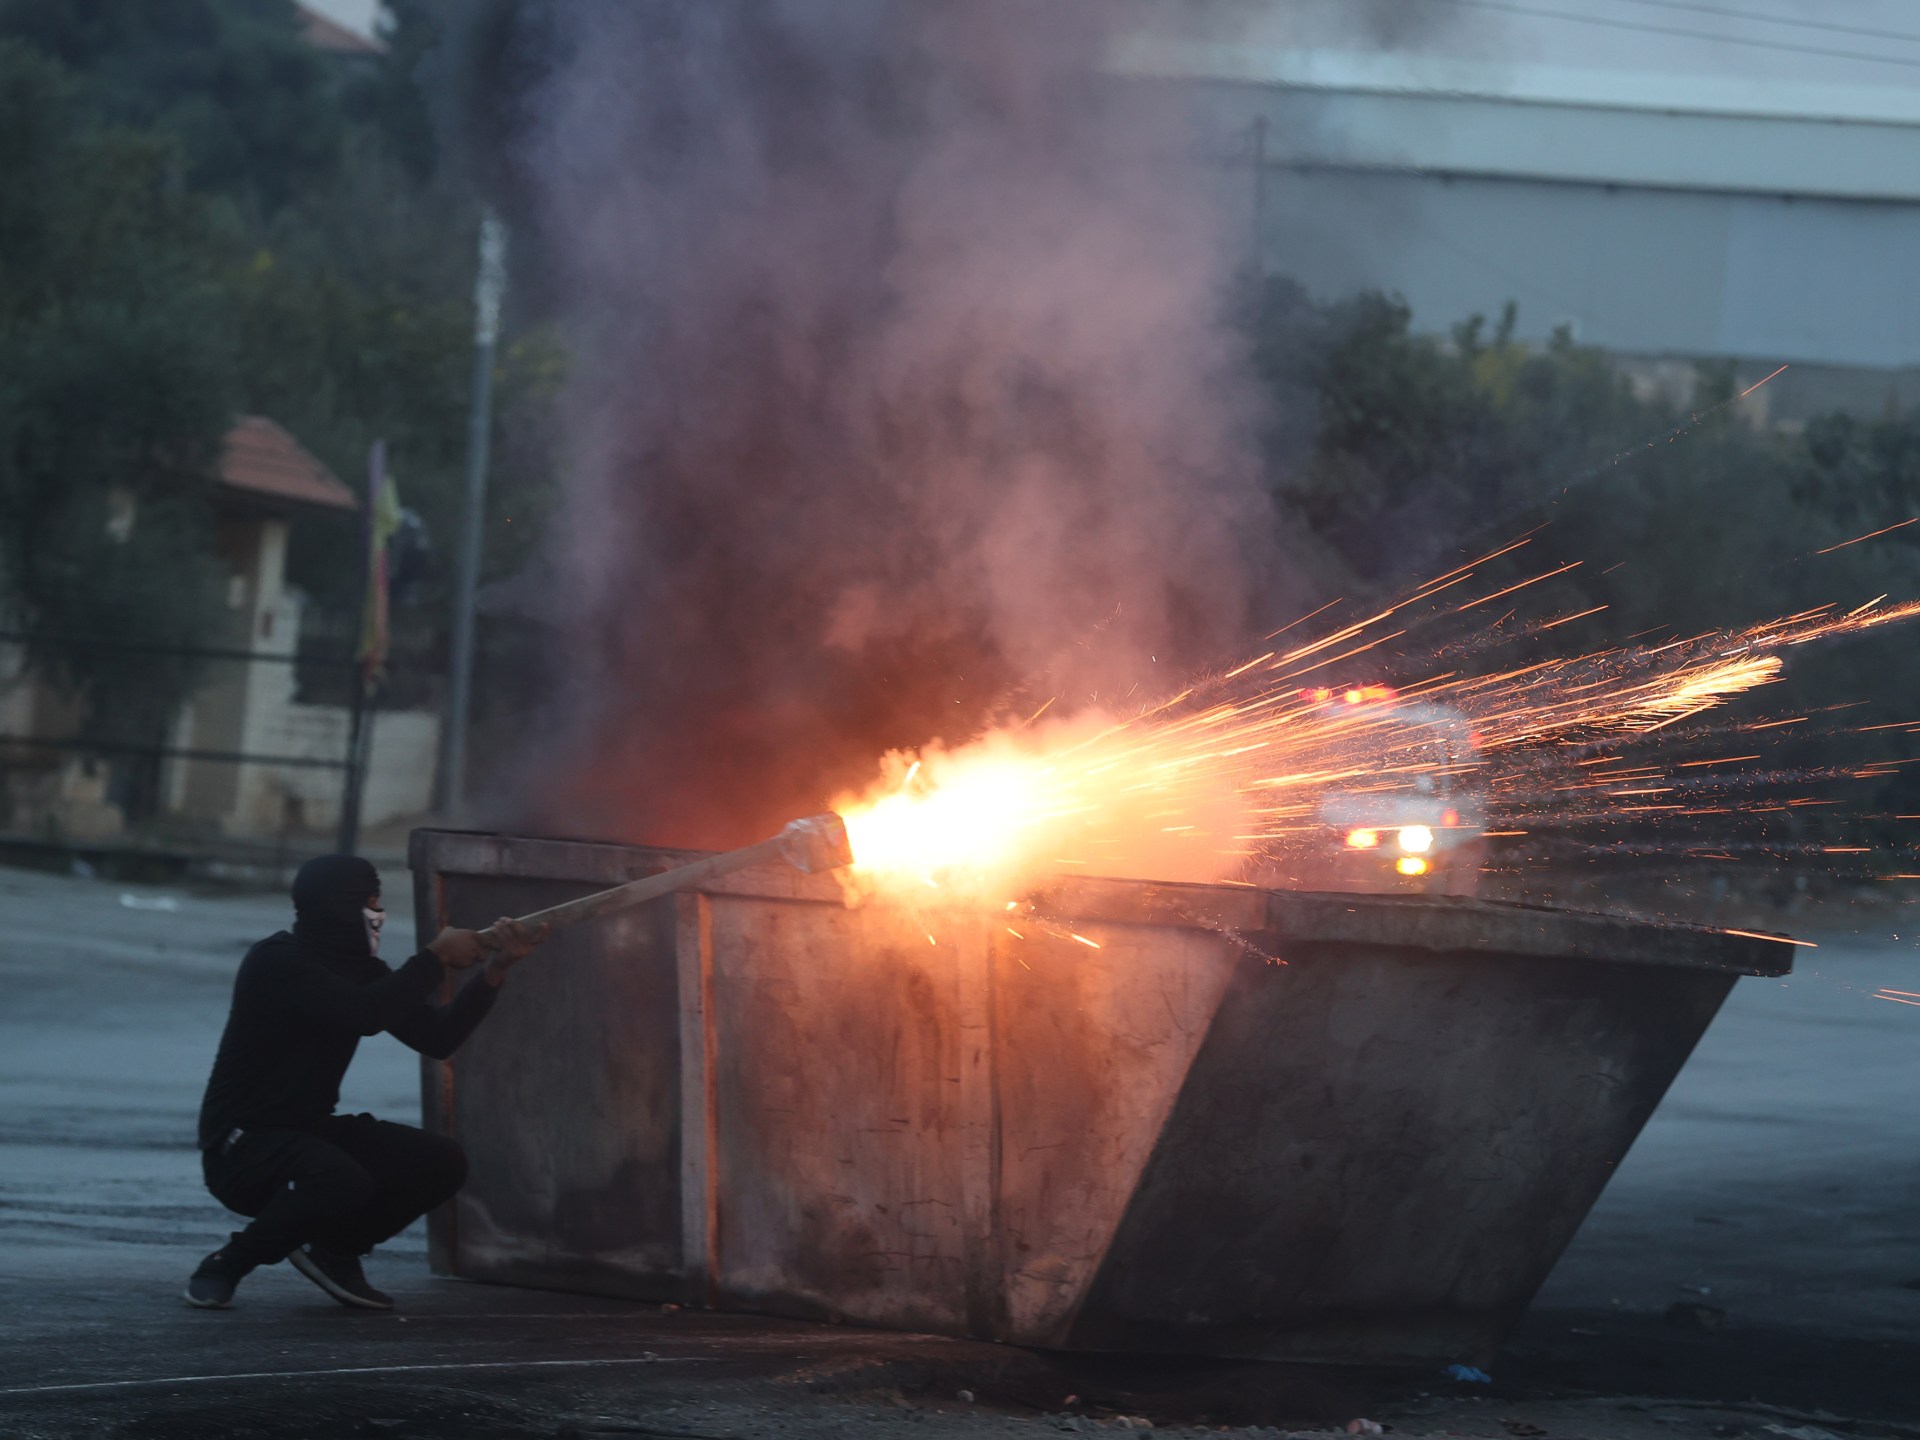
column 328, row 894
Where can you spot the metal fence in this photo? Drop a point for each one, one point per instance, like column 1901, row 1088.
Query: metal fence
column 325, row 681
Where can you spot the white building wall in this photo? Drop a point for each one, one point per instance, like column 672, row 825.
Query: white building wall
column 402, row 752
column 254, row 702
column 1760, row 277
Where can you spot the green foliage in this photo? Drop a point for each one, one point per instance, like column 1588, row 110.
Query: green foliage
column 249, row 103
column 115, row 388
column 212, row 218
column 1394, row 446
column 394, row 97
column 1407, row 454
column 1858, row 471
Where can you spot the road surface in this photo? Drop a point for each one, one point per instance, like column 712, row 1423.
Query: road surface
column 1779, row 1184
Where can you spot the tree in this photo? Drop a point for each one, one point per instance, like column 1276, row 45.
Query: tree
column 115, row 391
column 249, row 103
column 1408, row 454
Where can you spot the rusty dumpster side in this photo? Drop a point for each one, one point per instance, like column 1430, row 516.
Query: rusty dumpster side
column 1280, row 1125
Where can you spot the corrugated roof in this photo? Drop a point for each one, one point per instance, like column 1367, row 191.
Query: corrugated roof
column 261, row 458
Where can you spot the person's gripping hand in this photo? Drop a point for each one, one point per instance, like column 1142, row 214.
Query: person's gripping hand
column 512, row 943
column 458, row 949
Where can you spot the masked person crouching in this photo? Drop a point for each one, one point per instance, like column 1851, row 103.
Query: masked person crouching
column 323, row 1189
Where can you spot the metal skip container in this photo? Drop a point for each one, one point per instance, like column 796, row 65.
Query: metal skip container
column 1269, row 1124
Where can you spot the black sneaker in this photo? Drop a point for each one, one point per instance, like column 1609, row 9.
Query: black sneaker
column 340, row 1276
column 213, row 1284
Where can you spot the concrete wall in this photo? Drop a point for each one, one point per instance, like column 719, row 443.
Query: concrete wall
column 244, row 706
column 402, row 752
column 1646, row 271
column 250, row 708
column 43, row 791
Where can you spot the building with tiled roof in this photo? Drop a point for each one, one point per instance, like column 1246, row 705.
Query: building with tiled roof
column 260, row 460
column 246, row 754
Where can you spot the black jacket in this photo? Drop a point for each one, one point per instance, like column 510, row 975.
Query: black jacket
column 299, row 1010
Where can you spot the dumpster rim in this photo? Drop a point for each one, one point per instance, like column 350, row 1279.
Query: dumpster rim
column 1268, row 920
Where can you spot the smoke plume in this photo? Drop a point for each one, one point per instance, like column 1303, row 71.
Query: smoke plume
column 902, row 397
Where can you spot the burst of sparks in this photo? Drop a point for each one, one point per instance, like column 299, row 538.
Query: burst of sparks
column 1870, row 535
column 1236, row 768
column 1762, row 935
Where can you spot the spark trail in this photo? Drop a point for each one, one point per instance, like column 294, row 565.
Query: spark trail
column 1231, row 778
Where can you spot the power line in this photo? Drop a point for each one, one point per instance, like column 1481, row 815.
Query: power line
column 1829, row 26
column 1605, row 22
column 41, row 640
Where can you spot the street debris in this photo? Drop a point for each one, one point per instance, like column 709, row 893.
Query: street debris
column 1468, row 1375
column 1800, row 1432
column 166, row 903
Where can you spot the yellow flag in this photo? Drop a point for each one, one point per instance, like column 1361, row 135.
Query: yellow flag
column 382, row 522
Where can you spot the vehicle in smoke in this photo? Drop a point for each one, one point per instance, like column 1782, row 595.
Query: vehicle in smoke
column 1418, row 826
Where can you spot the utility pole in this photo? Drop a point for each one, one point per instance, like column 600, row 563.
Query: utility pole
column 489, row 289
column 1259, row 197
column 353, row 786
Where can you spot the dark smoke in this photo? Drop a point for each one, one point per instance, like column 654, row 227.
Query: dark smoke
column 902, row 395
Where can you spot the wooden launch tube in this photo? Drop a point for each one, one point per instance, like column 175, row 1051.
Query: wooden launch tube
column 814, row 844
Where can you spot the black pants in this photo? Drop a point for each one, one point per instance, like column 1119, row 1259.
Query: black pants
column 347, row 1186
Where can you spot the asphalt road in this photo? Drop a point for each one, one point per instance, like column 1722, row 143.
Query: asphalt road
column 1779, row 1184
